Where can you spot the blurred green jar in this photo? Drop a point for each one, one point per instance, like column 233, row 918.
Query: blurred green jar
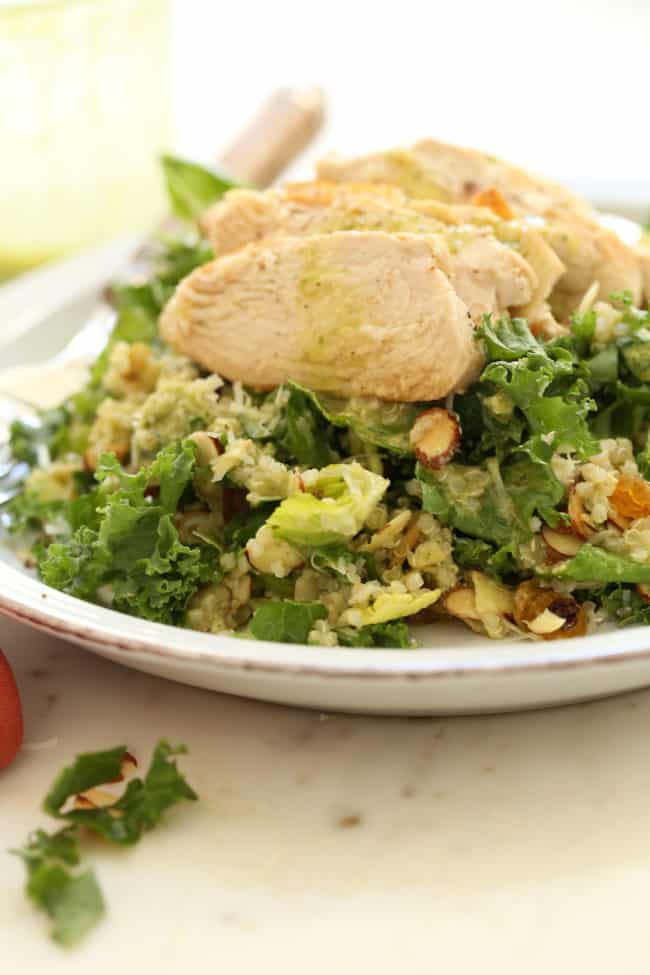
column 84, row 112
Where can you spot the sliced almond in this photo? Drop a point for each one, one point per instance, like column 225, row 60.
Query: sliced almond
column 547, row 622
column 533, row 602
column 461, row 602
column 495, row 201
column 491, row 597
column 129, row 765
column 208, row 447
column 409, row 540
column 94, row 799
column 83, row 802
column 435, row 437
column 643, row 591
column 560, row 545
column 578, row 515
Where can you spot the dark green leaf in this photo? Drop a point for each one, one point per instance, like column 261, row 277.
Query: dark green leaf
column 637, row 395
column 245, row 525
column 41, row 440
column 74, row 902
column 583, row 329
column 507, row 339
column 62, row 846
column 593, row 564
column 393, row 634
column 89, row 770
column 378, row 423
column 27, row 513
column 137, row 321
column 286, row 620
column 133, row 543
column 603, row 367
column 545, row 382
column 625, row 605
column 531, row 484
column 192, row 187
column 470, row 499
column 305, row 438
column 636, row 354
column 140, row 807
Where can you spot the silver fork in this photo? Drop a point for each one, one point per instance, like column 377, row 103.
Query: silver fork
column 283, row 127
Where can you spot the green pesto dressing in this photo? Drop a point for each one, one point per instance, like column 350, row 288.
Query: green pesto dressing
column 332, row 308
column 408, row 173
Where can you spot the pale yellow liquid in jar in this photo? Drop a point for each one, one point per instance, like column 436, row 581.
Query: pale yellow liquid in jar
column 84, row 114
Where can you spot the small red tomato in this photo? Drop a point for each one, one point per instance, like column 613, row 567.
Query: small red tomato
column 11, row 715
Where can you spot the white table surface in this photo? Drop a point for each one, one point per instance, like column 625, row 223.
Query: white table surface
column 502, row 844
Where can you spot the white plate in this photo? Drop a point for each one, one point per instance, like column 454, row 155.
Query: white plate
column 455, row 671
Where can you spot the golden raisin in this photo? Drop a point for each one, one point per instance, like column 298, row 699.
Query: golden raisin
column 531, row 600
column 631, row 497
column 495, row 201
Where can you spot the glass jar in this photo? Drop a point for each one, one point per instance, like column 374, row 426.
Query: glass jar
column 84, row 113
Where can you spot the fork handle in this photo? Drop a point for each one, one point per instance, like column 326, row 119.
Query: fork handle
column 282, row 128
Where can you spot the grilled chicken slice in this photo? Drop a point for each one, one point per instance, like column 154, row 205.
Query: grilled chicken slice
column 526, row 241
column 453, row 174
column 359, row 313
column 298, row 209
column 489, row 276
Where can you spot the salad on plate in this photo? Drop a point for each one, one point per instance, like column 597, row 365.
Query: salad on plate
column 414, row 388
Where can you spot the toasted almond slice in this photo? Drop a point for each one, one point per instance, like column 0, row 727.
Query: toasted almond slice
column 532, row 603
column 547, row 622
column 461, row 602
column 578, row 515
column 560, row 545
column 208, row 447
column 563, row 528
column 490, row 597
column 435, row 437
column 129, row 765
column 495, row 201
column 94, row 799
column 83, row 802
column 409, row 540
column 643, row 591
column 573, row 614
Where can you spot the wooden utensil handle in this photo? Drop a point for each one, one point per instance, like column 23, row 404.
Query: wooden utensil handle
column 283, row 127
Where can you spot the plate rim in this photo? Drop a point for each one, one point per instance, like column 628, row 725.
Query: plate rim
column 68, row 617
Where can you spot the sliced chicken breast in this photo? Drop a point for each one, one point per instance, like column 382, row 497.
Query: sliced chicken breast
column 454, row 174
column 359, row 313
column 488, row 275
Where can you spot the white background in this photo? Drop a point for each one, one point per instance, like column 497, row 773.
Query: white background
column 559, row 85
